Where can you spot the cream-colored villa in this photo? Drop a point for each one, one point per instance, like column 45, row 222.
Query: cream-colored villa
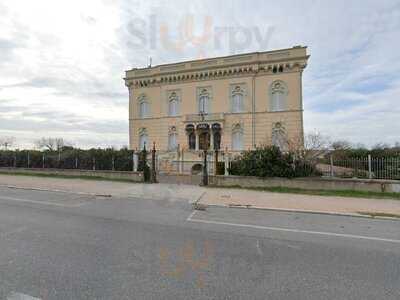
column 230, row 103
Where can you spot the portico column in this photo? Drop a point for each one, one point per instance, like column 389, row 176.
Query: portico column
column 222, row 141
column 197, row 140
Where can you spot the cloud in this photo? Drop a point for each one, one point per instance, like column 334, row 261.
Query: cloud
column 62, row 63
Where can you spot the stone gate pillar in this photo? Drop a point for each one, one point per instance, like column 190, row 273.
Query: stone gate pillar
column 226, row 157
column 135, row 161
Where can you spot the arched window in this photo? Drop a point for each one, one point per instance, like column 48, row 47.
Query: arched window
column 190, row 131
column 279, row 138
column 173, row 105
column 204, row 98
column 192, row 141
column 237, row 137
column 278, row 93
column 216, row 134
column 237, row 99
column 144, row 108
column 217, row 140
column 143, row 139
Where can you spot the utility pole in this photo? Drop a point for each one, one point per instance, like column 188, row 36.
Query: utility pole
column 59, row 158
column 153, row 164
column 205, row 172
column 216, row 162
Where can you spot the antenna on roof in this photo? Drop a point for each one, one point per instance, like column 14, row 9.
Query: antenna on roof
column 150, row 60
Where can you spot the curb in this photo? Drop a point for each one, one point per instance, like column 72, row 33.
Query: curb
column 54, row 190
column 94, row 194
column 247, row 206
column 197, row 205
column 198, row 199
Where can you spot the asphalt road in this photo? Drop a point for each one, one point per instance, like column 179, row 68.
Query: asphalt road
column 71, row 246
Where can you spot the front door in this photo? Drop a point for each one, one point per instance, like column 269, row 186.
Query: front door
column 204, row 141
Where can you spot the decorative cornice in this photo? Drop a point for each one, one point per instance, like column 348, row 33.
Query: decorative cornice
column 182, row 117
column 233, row 72
column 280, row 61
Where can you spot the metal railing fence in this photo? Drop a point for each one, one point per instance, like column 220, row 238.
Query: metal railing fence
column 187, row 162
column 361, row 167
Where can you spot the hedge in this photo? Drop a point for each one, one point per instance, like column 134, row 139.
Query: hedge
column 69, row 158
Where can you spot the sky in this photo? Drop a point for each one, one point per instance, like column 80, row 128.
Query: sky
column 62, row 62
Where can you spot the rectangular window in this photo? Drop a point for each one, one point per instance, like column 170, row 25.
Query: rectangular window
column 204, row 96
column 143, row 141
column 172, row 141
column 237, row 140
column 173, row 108
column 203, row 104
column 143, row 110
column 237, row 103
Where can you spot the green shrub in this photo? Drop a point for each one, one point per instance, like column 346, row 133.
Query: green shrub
column 270, row 162
column 143, row 166
column 220, row 168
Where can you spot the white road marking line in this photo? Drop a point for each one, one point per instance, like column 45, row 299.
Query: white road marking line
column 190, row 216
column 39, row 202
column 11, row 232
column 352, row 236
column 286, row 245
column 259, row 248
column 19, row 296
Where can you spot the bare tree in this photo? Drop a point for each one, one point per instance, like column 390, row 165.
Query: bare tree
column 7, row 142
column 51, row 144
column 341, row 145
column 381, row 146
column 312, row 146
column 316, row 141
column 60, row 143
column 315, row 145
column 360, row 146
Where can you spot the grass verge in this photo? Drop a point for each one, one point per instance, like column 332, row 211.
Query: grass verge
column 334, row 193
column 68, row 176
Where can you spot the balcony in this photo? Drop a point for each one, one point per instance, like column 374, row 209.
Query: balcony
column 195, row 118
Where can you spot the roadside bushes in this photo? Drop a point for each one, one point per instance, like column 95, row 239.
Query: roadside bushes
column 143, row 166
column 270, row 162
column 69, row 158
column 377, row 152
column 220, row 168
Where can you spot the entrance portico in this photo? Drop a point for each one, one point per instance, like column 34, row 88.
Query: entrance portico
column 204, row 136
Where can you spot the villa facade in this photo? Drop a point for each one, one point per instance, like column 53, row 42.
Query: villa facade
column 230, row 103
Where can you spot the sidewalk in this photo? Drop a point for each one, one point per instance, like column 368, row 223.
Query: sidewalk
column 302, row 203
column 160, row 191
column 212, row 196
